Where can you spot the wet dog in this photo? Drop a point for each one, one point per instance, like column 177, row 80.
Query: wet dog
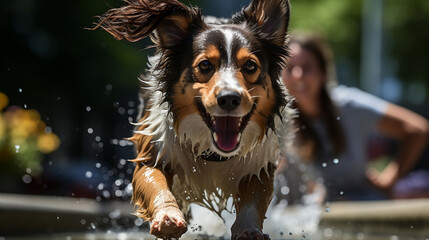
column 213, row 109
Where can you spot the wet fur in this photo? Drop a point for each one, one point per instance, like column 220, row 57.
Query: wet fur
column 172, row 139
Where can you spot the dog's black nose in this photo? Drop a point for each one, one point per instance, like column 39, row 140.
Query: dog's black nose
column 228, row 100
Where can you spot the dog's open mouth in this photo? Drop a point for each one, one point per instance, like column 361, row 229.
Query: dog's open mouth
column 226, row 130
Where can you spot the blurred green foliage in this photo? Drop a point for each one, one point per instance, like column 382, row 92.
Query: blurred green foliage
column 405, row 34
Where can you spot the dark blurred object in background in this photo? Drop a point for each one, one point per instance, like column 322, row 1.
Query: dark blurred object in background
column 84, row 86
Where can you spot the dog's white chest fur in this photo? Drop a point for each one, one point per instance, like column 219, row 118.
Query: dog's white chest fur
column 211, row 183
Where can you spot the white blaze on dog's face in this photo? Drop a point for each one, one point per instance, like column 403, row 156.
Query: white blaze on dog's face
column 225, row 97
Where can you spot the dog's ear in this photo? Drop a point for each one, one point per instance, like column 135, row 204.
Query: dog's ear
column 172, row 20
column 179, row 26
column 269, row 17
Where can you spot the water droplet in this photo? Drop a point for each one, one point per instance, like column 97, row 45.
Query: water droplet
column 27, row 179
column 88, row 108
column 82, row 221
column 119, row 182
column 193, row 169
column 338, row 118
column 106, row 194
column 98, row 165
column 290, row 233
column 327, row 209
column 97, row 138
column 121, row 111
column 124, row 143
column 395, row 237
column 58, row 218
column 88, row 174
column 285, row 190
column 138, row 222
column 335, row 161
column 324, row 164
column 28, row 170
column 48, row 130
column 20, row 90
column 341, row 193
column 93, row 226
column 90, row 130
column 100, row 186
column 109, row 87
column 115, row 214
column 118, row 193
column 25, row 106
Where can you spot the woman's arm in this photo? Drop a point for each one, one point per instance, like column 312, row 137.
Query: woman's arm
column 412, row 132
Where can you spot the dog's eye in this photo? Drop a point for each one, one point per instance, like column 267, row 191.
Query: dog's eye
column 250, row 66
column 205, row 66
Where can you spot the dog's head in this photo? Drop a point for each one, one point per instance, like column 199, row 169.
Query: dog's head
column 221, row 79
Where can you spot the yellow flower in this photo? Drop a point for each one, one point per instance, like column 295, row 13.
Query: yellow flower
column 48, row 142
column 25, row 123
column 2, row 127
column 4, row 101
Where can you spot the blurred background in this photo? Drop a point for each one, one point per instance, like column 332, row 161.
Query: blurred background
column 68, row 94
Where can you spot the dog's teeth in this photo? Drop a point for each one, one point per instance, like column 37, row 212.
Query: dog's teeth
column 239, row 137
column 215, row 137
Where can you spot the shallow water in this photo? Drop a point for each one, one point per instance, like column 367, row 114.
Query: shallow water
column 291, row 223
column 142, row 236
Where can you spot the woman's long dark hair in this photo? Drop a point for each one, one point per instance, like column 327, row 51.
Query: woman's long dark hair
column 308, row 142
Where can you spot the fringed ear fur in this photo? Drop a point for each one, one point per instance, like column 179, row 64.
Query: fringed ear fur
column 139, row 18
column 269, row 17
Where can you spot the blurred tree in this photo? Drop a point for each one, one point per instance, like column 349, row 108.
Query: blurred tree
column 405, row 38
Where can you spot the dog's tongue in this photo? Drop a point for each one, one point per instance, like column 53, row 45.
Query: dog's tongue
column 227, row 130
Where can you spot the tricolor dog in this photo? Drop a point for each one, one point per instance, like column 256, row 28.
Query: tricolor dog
column 213, row 111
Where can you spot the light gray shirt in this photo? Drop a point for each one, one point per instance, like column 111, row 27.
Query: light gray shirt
column 359, row 114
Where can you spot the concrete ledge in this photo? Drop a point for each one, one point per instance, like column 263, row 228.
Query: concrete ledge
column 396, row 217
column 30, row 214
column 394, row 210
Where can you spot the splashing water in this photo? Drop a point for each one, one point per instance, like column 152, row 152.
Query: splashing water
column 17, row 147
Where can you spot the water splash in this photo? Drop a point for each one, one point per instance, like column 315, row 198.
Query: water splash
column 17, row 148
column 88, row 174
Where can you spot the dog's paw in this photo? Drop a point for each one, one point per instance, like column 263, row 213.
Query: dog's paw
column 168, row 223
column 249, row 234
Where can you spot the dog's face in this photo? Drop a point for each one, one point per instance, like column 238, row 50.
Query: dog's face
column 225, row 86
column 220, row 80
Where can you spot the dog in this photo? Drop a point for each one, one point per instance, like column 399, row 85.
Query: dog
column 213, row 111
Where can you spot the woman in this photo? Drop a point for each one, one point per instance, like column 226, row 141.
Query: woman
column 335, row 123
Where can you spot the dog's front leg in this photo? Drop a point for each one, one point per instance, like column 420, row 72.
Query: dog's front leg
column 253, row 199
column 156, row 203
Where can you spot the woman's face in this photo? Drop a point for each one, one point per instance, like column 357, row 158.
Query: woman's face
column 303, row 78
